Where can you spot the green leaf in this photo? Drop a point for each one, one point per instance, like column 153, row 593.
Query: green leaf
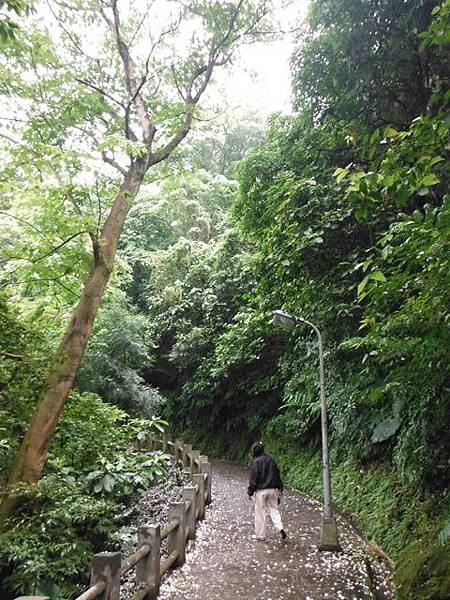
column 386, row 428
column 108, row 482
column 444, row 534
column 430, row 180
column 340, row 174
column 377, row 276
column 390, row 132
column 362, row 285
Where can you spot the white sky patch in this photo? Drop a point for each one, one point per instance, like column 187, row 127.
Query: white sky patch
column 260, row 78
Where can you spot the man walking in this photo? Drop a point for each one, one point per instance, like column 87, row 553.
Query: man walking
column 265, row 483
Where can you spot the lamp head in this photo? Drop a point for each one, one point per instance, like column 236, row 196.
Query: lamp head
column 283, row 319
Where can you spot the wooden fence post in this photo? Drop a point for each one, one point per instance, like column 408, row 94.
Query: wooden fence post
column 178, row 449
column 176, row 539
column 195, row 456
column 200, row 481
column 105, row 567
column 164, row 442
column 187, row 449
column 147, row 569
column 206, row 467
column 189, row 493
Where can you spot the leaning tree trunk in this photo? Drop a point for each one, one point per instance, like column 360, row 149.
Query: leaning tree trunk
column 30, row 460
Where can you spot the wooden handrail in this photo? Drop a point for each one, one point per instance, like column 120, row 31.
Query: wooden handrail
column 168, row 562
column 141, row 593
column 93, row 592
column 134, row 559
column 107, row 567
column 187, row 534
column 168, row 528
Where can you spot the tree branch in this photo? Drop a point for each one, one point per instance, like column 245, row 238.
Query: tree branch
column 10, row 355
column 10, row 139
column 141, row 22
column 49, row 253
column 113, row 163
column 100, row 91
column 68, row 194
column 20, row 220
column 69, row 35
column 191, row 98
column 148, row 129
column 165, row 152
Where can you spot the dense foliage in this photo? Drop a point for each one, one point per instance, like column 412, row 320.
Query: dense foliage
column 340, row 213
column 343, row 216
column 92, row 473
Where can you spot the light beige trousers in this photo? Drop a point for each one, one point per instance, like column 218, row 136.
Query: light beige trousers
column 266, row 502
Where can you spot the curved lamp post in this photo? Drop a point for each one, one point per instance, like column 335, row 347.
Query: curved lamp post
column 328, row 533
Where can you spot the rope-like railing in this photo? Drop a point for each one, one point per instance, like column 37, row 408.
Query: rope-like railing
column 168, row 562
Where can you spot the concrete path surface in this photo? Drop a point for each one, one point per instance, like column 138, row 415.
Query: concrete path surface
column 226, row 563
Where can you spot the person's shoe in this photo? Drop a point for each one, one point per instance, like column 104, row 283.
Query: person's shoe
column 283, row 534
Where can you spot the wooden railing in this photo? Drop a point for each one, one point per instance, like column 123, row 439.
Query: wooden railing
column 108, row 567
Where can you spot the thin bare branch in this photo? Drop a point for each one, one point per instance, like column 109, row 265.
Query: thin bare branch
column 47, row 254
column 11, row 355
column 20, row 220
column 179, row 90
column 100, row 91
column 68, row 195
column 10, row 139
column 113, row 163
column 231, row 26
column 14, row 119
column 69, row 35
column 59, row 246
column 141, row 22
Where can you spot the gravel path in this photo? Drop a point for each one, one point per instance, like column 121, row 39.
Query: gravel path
column 225, row 563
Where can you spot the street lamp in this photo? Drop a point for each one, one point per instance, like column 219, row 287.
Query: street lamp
column 328, row 530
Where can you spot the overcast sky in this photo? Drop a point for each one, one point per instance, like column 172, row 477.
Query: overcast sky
column 260, row 79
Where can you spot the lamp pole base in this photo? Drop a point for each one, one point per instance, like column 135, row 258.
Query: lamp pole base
column 328, row 536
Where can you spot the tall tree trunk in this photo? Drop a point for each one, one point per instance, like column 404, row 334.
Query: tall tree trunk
column 30, row 460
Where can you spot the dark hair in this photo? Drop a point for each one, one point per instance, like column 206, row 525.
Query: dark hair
column 258, row 449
